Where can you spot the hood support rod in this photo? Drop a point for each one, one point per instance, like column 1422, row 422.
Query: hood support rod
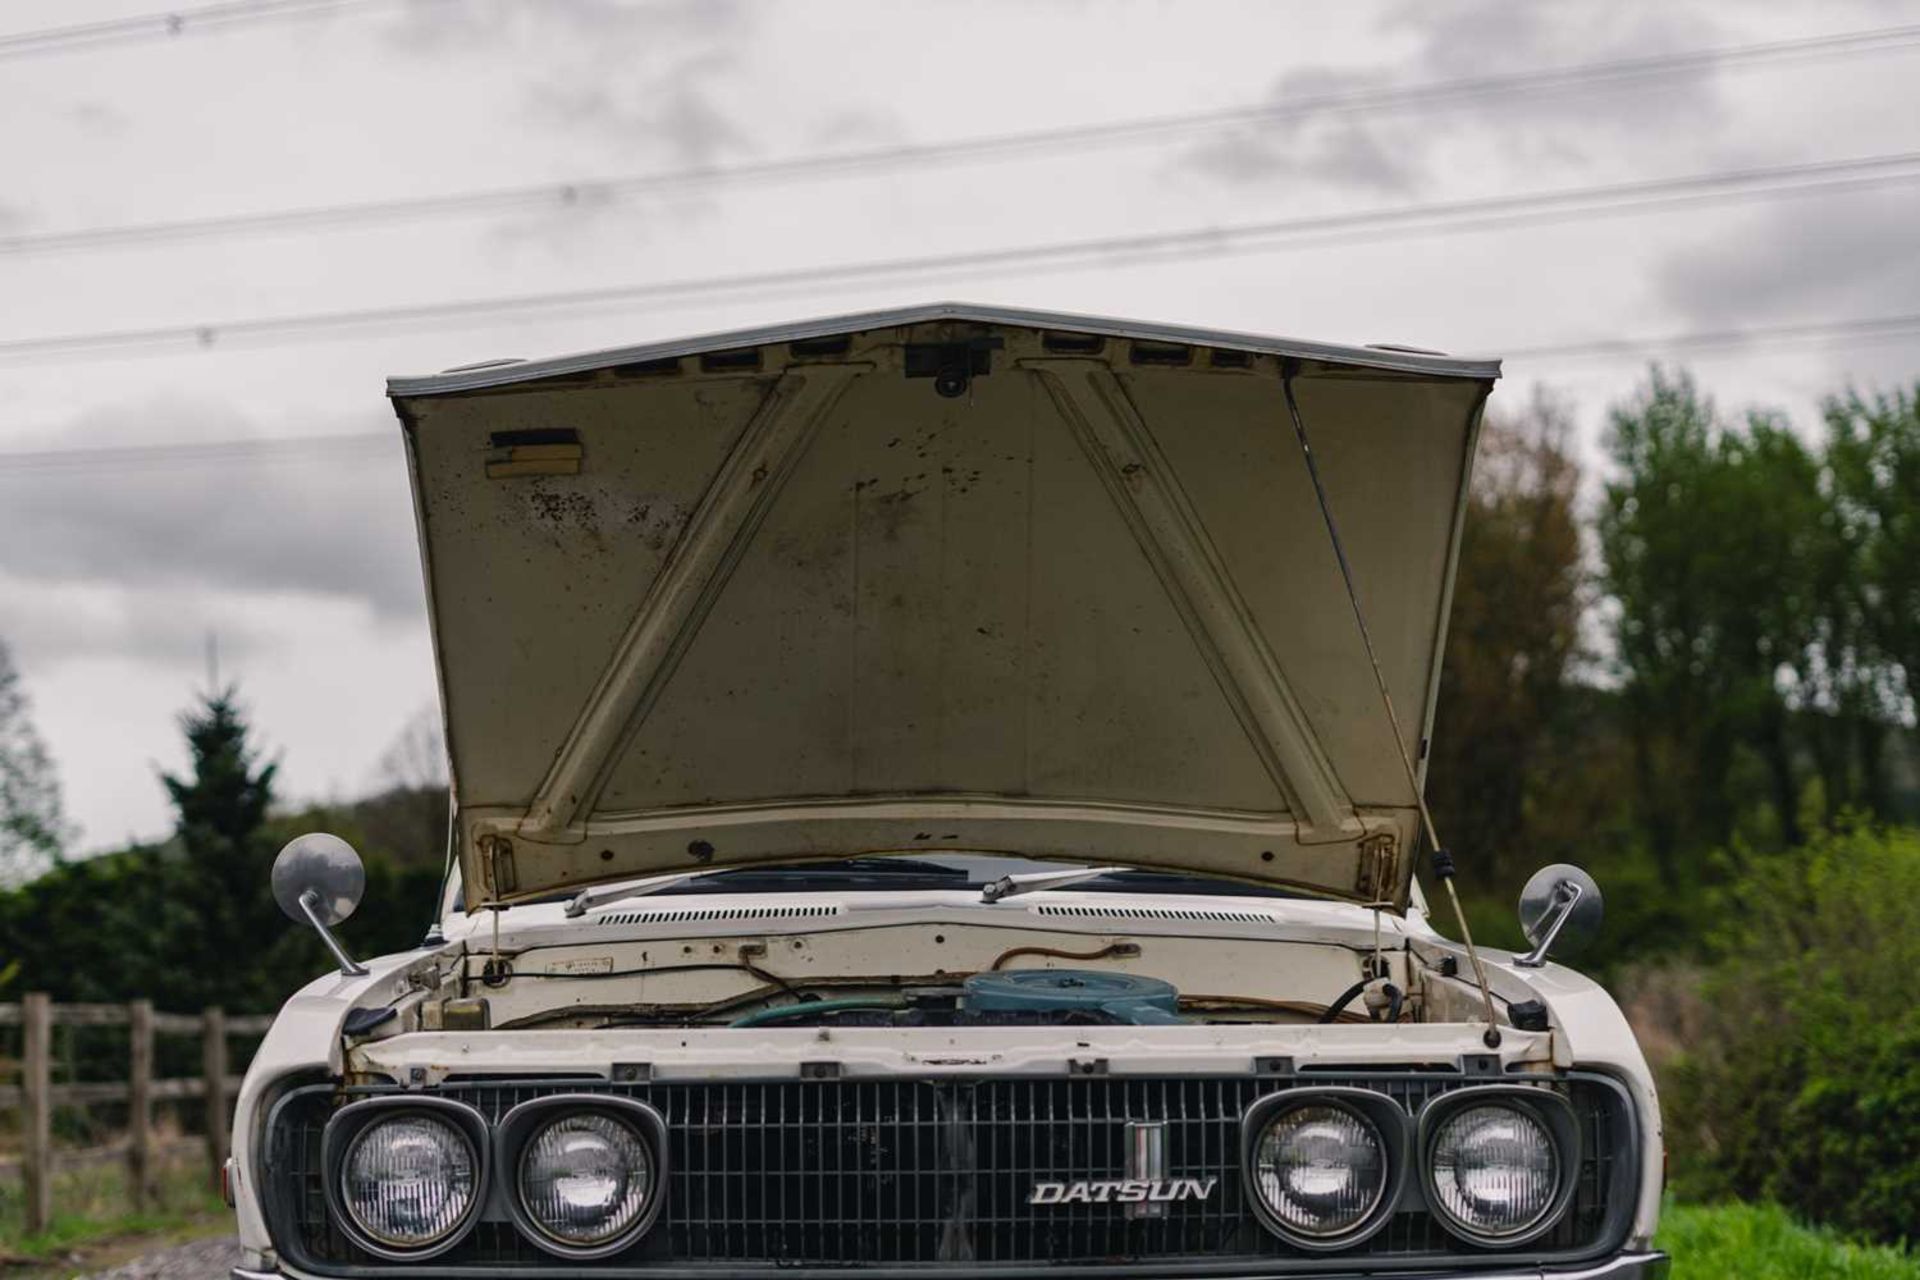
column 1443, row 861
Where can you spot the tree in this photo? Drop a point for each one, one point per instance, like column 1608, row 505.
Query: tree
column 192, row 922
column 33, row 828
column 1714, row 540
column 1873, row 452
column 1518, row 598
column 219, row 905
column 408, row 815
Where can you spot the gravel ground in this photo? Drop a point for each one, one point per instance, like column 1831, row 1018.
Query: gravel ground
column 196, row 1260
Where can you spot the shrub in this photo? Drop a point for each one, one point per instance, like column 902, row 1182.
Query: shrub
column 1804, row 1084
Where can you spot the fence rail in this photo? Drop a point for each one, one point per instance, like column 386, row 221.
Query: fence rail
column 36, row 1096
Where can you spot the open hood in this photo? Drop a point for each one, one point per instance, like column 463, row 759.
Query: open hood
column 944, row 578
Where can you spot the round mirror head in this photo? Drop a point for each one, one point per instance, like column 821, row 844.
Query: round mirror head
column 1545, row 896
column 329, row 867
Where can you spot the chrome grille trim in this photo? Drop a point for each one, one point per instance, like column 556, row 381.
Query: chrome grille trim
column 912, row 1176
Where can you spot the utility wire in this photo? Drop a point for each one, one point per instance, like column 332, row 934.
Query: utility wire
column 168, row 24
column 596, row 192
column 1446, row 217
column 364, row 445
column 1868, row 329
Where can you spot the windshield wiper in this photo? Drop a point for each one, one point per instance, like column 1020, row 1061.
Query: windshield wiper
column 843, row 870
column 1040, row 881
column 587, row 899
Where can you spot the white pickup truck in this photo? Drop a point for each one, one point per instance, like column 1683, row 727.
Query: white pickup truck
column 938, row 794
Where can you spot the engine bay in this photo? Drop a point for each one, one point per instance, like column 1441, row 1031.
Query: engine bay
column 879, row 966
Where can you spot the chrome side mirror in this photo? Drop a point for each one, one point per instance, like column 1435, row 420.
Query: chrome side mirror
column 318, row 880
column 1560, row 907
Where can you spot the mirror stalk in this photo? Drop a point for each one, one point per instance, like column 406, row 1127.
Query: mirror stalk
column 310, row 907
column 1567, row 895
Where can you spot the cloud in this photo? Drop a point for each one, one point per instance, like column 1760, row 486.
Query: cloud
column 52, row 622
column 637, row 75
column 98, row 119
column 644, row 85
column 669, row 108
column 1395, row 150
column 1342, row 150
column 144, row 557
column 434, row 27
column 1815, row 258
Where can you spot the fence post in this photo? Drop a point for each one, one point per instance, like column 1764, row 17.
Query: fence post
column 213, row 1059
column 140, row 1101
column 36, row 1119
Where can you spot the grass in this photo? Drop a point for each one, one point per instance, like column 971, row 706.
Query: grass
column 91, row 1207
column 1760, row 1242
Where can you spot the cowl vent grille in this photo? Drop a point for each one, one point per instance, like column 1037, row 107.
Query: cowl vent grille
column 700, row 915
column 1211, row 915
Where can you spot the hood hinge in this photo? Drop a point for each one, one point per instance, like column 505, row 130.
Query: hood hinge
column 1378, row 856
column 498, row 854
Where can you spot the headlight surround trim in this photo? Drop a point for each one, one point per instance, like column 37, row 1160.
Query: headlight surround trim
column 1551, row 1111
column 351, row 1122
column 1382, row 1113
column 518, row 1127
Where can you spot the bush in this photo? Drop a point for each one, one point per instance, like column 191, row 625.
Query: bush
column 1804, row 1084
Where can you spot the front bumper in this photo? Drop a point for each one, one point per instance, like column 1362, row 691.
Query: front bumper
column 1625, row 1266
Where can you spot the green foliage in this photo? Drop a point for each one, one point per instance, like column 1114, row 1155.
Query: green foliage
column 1761, row 1242
column 1873, row 453
column 192, row 923
column 1715, row 542
column 214, row 908
column 1803, row 1086
column 33, row 829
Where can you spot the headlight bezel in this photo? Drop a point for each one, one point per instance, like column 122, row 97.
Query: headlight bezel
column 1388, row 1120
column 518, row 1127
column 352, row 1122
column 1551, row 1111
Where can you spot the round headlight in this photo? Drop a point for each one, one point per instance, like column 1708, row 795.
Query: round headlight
column 1495, row 1169
column 586, row 1178
column 1321, row 1169
column 410, row 1181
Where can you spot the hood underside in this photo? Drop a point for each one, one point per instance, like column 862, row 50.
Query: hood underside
column 949, row 578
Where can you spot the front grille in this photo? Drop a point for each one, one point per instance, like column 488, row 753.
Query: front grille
column 937, row 1174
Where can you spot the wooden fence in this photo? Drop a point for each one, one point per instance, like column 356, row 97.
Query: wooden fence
column 36, row 1096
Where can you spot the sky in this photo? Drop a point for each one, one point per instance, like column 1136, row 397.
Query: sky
column 299, row 565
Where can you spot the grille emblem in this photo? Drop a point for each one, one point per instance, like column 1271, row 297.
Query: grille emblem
column 1146, row 1191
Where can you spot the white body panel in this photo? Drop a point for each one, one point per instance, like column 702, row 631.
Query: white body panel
column 774, row 598
column 766, row 596
column 1586, row 1031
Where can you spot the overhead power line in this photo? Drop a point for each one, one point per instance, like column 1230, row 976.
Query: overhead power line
column 599, row 191
column 1870, row 329
column 1441, row 218
column 168, row 24
column 365, row 445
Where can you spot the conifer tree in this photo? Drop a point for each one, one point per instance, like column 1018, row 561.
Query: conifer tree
column 219, row 900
